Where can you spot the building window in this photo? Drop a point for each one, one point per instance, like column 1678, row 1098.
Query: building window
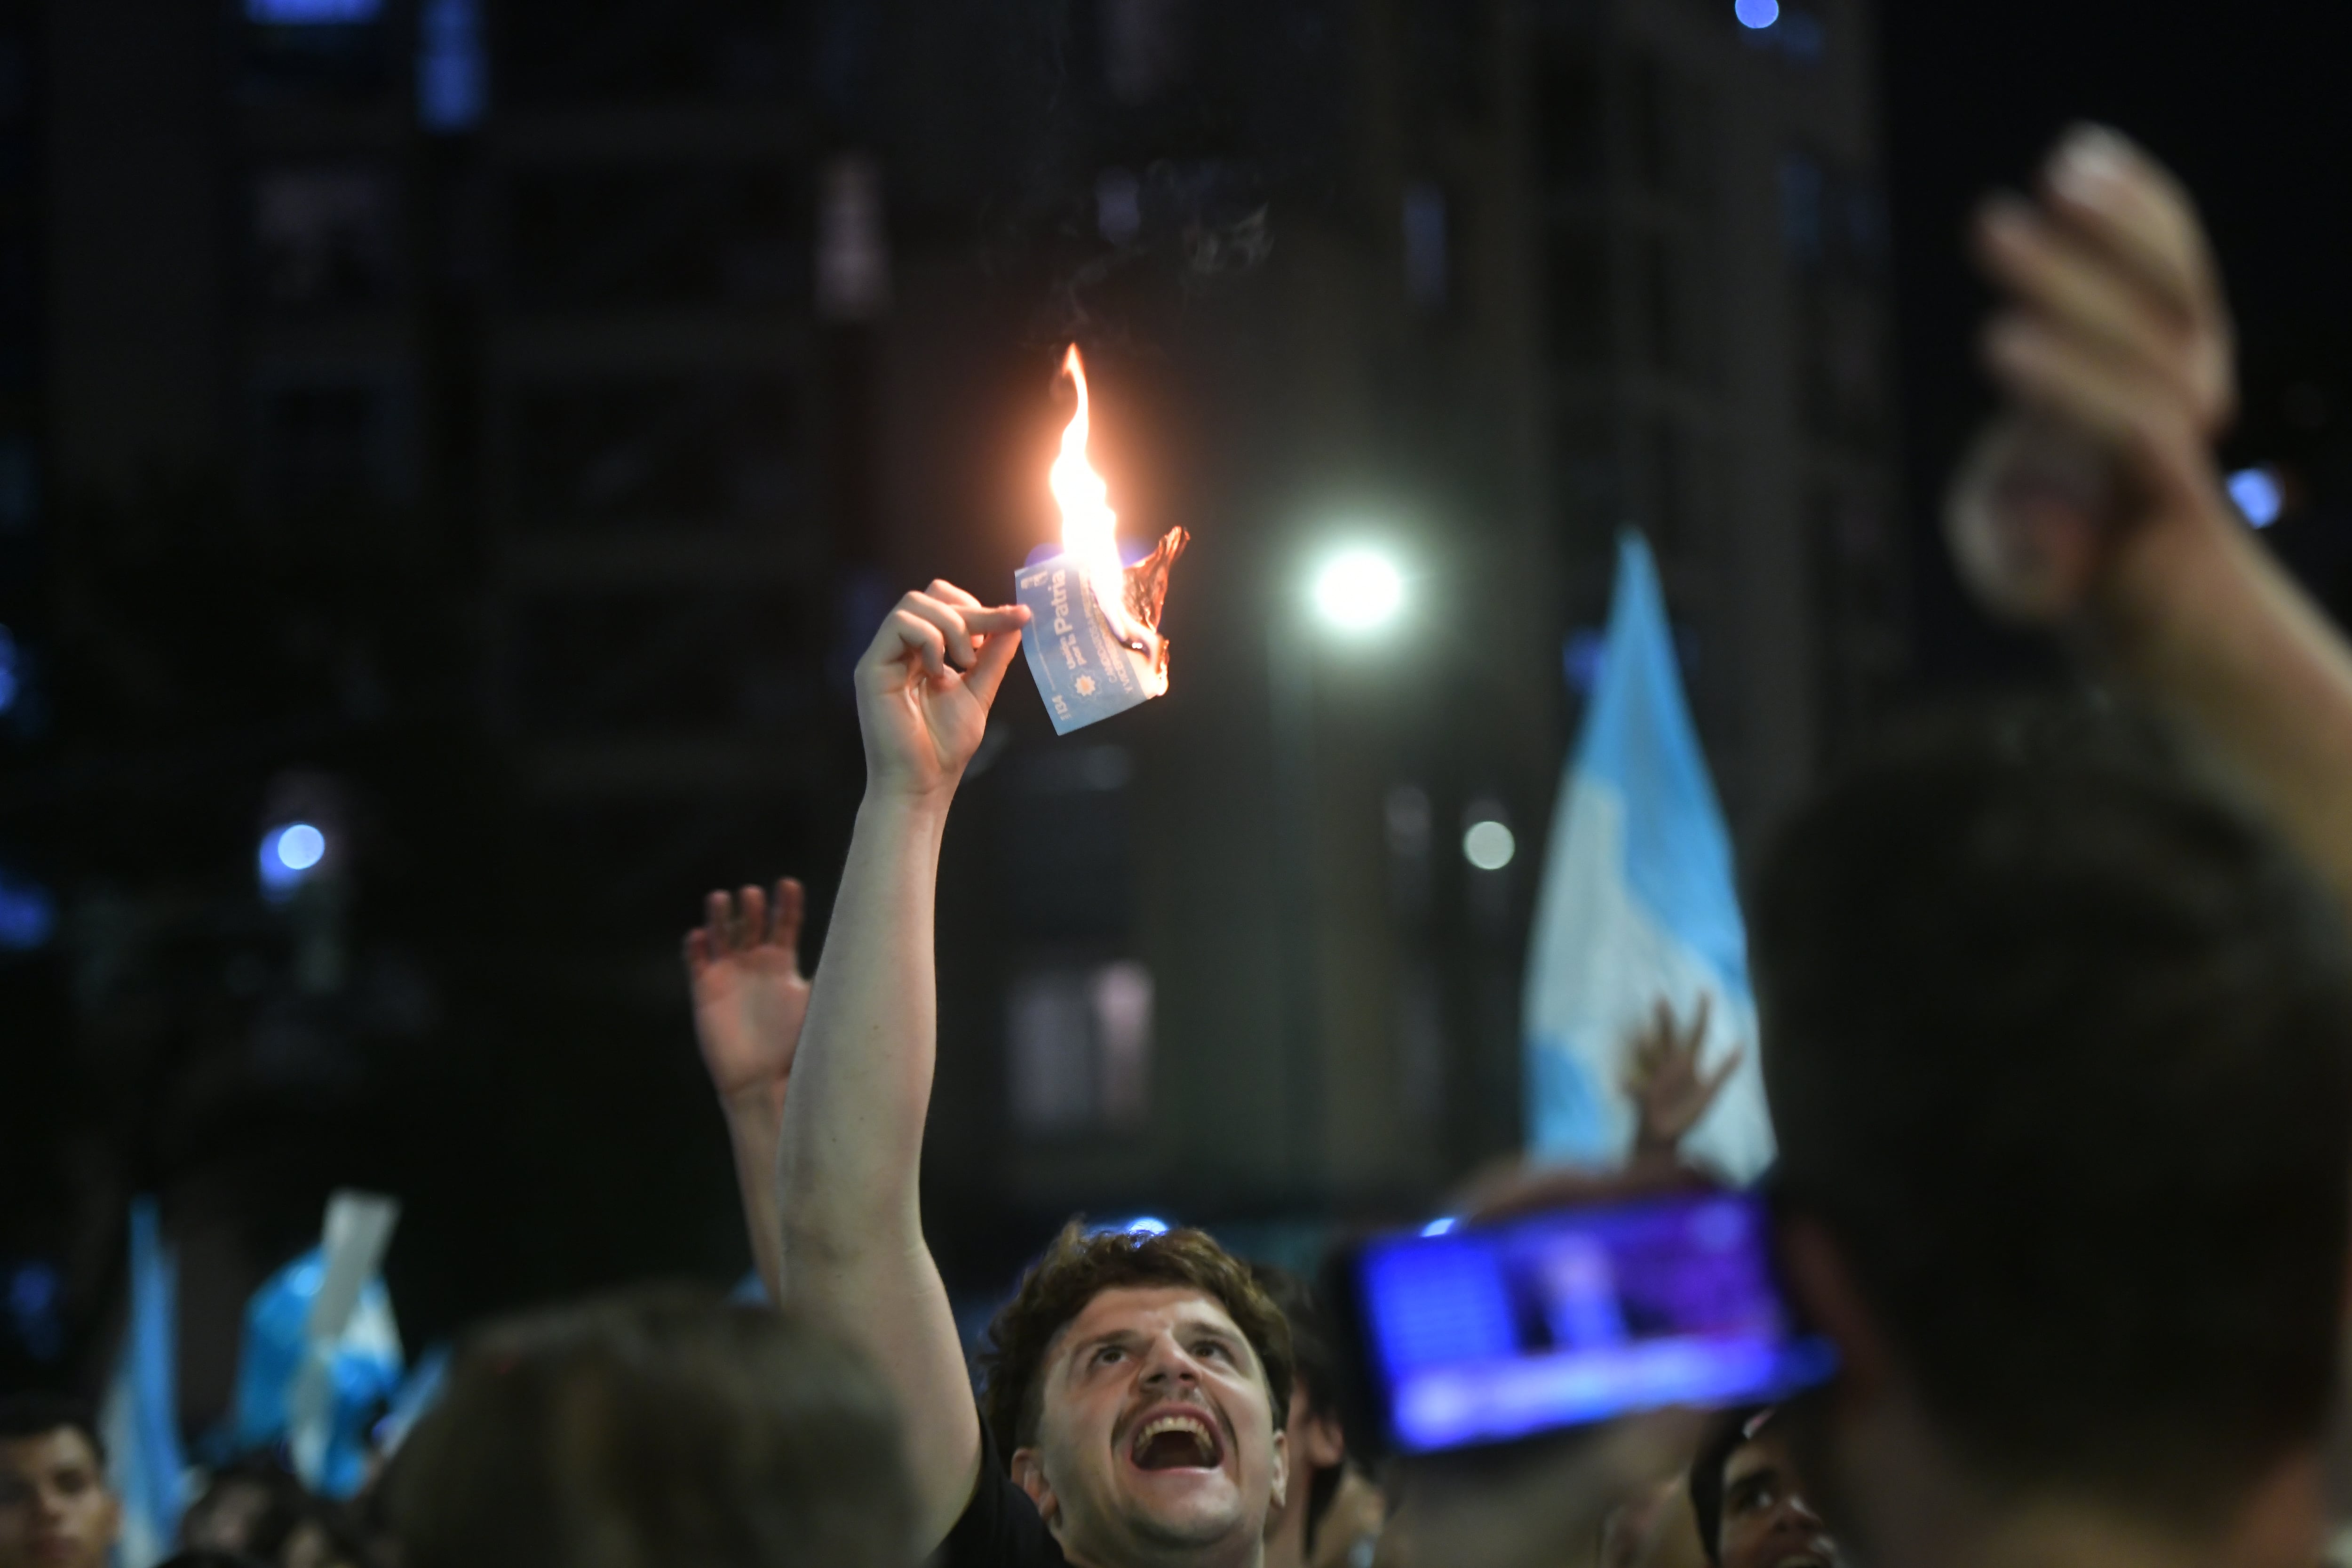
column 323, row 236
column 663, row 453
column 853, row 246
column 310, row 49
column 1080, row 1048
column 1145, row 47
column 453, row 68
column 1427, row 265
column 1567, row 93
column 1576, row 303
column 330, row 446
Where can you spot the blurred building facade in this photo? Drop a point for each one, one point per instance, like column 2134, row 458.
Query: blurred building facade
column 1528, row 275
column 502, row 422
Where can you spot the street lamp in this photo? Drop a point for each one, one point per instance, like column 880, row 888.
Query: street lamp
column 1358, row 589
column 1489, row 844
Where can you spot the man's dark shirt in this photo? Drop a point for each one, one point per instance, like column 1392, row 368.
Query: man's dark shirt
column 1000, row 1527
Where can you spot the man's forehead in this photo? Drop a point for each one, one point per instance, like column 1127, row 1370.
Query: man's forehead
column 1145, row 1309
column 61, row 1447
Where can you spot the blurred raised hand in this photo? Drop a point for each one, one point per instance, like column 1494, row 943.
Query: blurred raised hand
column 925, row 685
column 1663, row 1076
column 2095, row 501
column 743, row 965
column 2114, row 345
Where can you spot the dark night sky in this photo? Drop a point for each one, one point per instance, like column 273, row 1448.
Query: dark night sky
column 2252, row 104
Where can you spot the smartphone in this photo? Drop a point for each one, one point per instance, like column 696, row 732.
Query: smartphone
column 1492, row 1333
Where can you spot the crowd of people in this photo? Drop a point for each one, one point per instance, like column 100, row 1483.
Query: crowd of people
column 2055, row 1013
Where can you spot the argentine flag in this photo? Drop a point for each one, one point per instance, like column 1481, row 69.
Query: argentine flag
column 141, row 1421
column 1638, row 903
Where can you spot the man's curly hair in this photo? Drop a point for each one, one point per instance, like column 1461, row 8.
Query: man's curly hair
column 1079, row 1267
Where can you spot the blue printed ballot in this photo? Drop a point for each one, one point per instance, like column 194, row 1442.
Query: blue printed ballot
column 1081, row 672
column 1085, row 670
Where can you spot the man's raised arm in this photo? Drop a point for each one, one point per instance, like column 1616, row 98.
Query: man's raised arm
column 2115, row 329
column 852, row 1135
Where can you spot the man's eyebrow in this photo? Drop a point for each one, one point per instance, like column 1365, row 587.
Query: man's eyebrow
column 1095, row 1341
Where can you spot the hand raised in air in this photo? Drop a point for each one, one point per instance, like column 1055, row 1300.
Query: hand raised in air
column 1671, row 1094
column 925, row 685
column 743, row 965
column 2114, row 345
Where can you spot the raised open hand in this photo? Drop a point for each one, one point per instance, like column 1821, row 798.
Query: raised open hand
column 925, row 685
column 1662, row 1077
column 2115, row 346
column 749, row 998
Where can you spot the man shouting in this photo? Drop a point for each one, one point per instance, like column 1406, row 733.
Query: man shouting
column 1139, row 1385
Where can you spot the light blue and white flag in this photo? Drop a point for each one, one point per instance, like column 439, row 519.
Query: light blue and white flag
column 321, row 1352
column 141, row 1421
column 1639, row 902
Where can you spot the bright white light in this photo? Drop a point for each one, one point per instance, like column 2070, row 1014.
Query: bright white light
column 300, row 847
column 1358, row 590
column 2256, row 491
column 1489, row 846
column 1439, row 1225
column 1145, row 1225
column 1757, row 14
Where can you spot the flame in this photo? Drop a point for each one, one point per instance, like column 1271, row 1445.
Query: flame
column 1089, row 526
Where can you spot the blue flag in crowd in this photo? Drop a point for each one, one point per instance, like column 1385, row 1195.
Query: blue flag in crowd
column 322, row 1356
column 1638, row 902
column 141, row 1418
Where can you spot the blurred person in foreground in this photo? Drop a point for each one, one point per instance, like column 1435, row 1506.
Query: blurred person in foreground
column 2058, row 1032
column 1747, row 1502
column 2057, row 1022
column 1136, row 1388
column 57, row 1509
column 651, row 1429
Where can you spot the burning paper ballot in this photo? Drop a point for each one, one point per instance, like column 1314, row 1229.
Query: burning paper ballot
column 1094, row 640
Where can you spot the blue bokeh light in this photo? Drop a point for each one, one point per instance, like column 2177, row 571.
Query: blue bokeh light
column 287, row 855
column 2257, row 494
column 35, row 1292
column 29, row 914
column 301, row 845
column 1439, row 1225
column 12, row 679
column 1144, row 1224
column 452, row 68
column 1757, row 14
column 311, row 13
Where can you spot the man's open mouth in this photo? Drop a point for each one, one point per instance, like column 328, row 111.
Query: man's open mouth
column 1177, row 1440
